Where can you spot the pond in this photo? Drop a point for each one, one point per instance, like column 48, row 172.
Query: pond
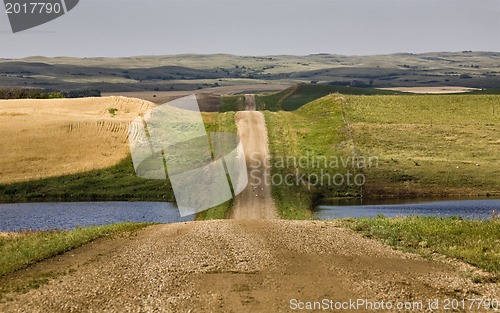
column 47, row 216
column 478, row 209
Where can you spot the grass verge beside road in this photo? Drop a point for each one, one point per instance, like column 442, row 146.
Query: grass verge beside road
column 305, row 146
column 19, row 250
column 219, row 212
column 475, row 242
column 292, row 202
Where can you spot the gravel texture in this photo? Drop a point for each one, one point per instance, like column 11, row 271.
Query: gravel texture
column 242, row 266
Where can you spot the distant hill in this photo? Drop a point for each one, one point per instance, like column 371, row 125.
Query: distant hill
column 191, row 71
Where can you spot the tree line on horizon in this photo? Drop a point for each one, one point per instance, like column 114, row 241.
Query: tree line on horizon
column 24, row 93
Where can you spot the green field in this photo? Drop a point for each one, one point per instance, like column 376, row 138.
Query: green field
column 428, row 145
column 117, row 183
column 232, row 103
column 445, row 145
column 314, row 141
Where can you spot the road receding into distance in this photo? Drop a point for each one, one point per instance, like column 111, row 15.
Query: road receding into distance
column 255, row 202
column 251, row 263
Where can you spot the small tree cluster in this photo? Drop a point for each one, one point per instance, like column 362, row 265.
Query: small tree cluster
column 19, row 93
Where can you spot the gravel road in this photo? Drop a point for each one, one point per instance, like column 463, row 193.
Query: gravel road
column 252, row 263
column 255, row 202
column 239, row 266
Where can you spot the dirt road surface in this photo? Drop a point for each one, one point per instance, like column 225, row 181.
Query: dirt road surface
column 239, row 266
column 255, row 202
column 250, row 103
column 253, row 263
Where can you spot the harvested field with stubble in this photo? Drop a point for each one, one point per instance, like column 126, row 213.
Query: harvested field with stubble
column 48, row 138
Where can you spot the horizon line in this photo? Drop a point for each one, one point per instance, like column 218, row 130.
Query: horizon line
column 242, row 55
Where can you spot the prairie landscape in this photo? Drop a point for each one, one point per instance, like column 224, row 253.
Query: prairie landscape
column 250, row 156
column 198, row 71
column 261, row 249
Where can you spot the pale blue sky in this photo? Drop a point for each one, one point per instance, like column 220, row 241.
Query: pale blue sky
column 260, row 27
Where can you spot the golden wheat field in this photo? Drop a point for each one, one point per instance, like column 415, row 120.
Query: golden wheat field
column 45, row 138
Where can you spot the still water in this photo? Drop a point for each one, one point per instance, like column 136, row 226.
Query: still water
column 46, row 216
column 467, row 209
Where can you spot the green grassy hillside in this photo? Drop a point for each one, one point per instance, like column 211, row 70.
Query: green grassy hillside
column 428, row 145
column 309, row 147
column 407, row 146
column 232, row 103
column 294, row 97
